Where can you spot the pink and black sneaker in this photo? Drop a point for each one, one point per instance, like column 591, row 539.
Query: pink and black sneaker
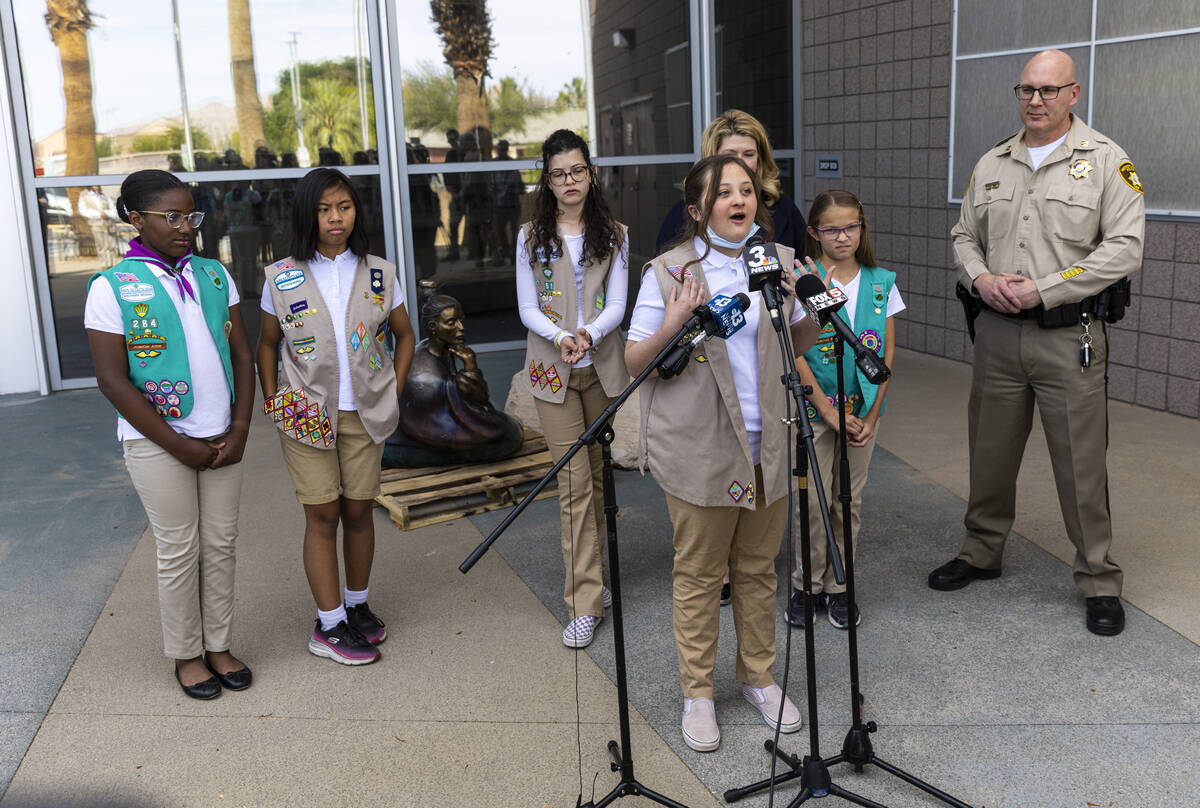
column 342, row 643
column 362, row 618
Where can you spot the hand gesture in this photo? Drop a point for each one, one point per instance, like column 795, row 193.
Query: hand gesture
column 681, row 302
column 995, row 292
column 569, row 350
column 195, row 454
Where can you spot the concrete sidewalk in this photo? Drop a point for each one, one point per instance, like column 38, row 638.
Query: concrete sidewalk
column 995, row 693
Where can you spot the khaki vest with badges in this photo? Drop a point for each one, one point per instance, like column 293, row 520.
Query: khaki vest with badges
column 554, row 279
column 1075, row 226
column 693, row 434
column 307, row 409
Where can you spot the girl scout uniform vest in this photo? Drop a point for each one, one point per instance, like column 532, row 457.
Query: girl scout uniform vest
column 693, row 434
column 870, row 319
column 158, row 356
column 307, row 409
column 554, row 278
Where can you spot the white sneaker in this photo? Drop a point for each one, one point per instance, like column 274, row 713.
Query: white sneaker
column 767, row 700
column 606, row 597
column 580, row 632
column 700, row 730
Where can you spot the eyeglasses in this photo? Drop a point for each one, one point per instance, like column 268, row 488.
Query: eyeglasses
column 176, row 219
column 1049, row 93
column 833, row 233
column 559, row 177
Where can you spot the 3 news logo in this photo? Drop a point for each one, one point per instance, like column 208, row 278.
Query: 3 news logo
column 758, row 259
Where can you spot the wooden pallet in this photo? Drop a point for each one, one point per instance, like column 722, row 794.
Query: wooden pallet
column 426, row 496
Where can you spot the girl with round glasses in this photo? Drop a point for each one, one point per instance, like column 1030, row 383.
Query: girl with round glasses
column 839, row 239
column 572, row 279
column 171, row 354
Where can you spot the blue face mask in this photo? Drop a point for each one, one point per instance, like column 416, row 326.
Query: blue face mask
column 731, row 245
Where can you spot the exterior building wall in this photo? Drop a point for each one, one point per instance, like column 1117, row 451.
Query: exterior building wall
column 877, row 90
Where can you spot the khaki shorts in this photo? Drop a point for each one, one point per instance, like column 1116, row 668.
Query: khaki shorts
column 350, row 469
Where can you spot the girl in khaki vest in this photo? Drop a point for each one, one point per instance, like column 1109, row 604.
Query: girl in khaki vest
column 572, row 276
column 715, row 442
column 329, row 307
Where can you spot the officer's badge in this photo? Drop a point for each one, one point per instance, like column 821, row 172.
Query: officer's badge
column 1081, row 168
column 1129, row 174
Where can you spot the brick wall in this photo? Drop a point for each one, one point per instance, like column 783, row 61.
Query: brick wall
column 877, row 90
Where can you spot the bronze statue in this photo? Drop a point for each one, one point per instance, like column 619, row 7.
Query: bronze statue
column 446, row 417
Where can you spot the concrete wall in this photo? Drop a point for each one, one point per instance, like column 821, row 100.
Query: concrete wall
column 23, row 369
column 877, row 89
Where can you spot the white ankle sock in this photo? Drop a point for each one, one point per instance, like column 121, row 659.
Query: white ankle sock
column 332, row 617
column 355, row 598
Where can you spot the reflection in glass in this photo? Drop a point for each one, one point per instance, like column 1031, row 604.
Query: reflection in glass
column 644, row 83
column 246, row 226
column 112, row 102
column 531, row 91
column 754, row 64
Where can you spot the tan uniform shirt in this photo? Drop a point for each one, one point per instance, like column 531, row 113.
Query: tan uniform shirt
column 1075, row 225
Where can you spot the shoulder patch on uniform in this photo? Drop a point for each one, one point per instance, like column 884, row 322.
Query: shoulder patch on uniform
column 1129, row 174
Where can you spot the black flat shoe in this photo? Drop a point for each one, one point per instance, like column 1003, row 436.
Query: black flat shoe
column 958, row 573
column 1105, row 616
column 210, row 688
column 234, row 680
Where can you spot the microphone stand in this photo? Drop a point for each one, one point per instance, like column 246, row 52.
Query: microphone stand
column 857, row 750
column 601, row 430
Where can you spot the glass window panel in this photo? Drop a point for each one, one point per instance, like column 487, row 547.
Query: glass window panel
column 1116, row 18
column 536, row 83
column 754, row 64
column 247, row 225
column 1128, row 97
column 986, row 26
column 986, row 111
column 241, row 112
column 643, row 75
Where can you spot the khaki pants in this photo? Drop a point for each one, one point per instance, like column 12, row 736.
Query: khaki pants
column 1016, row 364
column 706, row 539
column 580, row 496
column 825, row 441
column 194, row 517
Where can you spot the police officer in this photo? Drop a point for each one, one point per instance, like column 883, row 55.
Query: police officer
column 1052, row 217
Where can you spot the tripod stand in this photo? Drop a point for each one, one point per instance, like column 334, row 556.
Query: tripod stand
column 601, row 431
column 857, row 750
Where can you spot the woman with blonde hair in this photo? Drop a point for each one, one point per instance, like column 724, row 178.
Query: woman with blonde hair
column 740, row 134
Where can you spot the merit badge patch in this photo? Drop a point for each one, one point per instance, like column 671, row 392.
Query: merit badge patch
column 552, row 379
column 376, row 280
column 288, row 279
column 736, row 492
column 137, row 292
column 141, row 309
column 870, row 340
column 125, row 277
column 1080, row 168
column 1127, row 172
column 750, row 494
column 599, row 301
column 212, row 275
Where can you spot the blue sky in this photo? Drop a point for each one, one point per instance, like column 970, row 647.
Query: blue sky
column 133, row 52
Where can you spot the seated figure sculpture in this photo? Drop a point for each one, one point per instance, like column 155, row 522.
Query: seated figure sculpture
column 446, row 417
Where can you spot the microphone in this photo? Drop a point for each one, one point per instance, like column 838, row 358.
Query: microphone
column 822, row 305
column 721, row 317
column 765, row 272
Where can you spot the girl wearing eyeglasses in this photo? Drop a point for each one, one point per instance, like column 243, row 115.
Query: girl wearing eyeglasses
column 572, row 279
column 328, row 309
column 839, row 239
column 171, row 355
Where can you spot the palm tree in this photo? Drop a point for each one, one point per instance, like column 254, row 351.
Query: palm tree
column 330, row 111
column 466, row 32
column 245, row 82
column 69, row 21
